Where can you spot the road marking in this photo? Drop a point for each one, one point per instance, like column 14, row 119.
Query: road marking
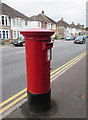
column 14, row 102
column 73, row 61
column 11, row 98
column 58, row 45
column 66, row 67
column 66, row 63
column 62, row 44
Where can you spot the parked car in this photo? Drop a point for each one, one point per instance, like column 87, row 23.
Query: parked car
column 52, row 37
column 69, row 38
column 80, row 39
column 87, row 36
column 22, row 39
column 18, row 43
column 74, row 37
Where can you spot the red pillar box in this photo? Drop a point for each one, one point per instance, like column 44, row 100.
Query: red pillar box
column 38, row 55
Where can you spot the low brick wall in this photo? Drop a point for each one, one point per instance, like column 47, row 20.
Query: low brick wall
column 6, row 41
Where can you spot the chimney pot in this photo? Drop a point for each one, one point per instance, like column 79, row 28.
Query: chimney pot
column 42, row 12
column 62, row 19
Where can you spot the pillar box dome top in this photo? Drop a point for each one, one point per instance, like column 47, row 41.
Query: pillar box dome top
column 40, row 33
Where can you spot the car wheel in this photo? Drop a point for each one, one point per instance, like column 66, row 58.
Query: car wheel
column 15, row 45
column 83, row 42
column 21, row 44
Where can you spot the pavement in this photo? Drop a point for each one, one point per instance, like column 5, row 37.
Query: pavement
column 68, row 96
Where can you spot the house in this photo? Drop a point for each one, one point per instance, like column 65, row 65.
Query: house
column 11, row 22
column 74, row 29
column 77, row 29
column 63, row 28
column 42, row 21
column 80, row 29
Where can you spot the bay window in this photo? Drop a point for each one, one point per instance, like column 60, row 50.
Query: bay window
column 4, row 20
column 14, row 34
column 3, row 33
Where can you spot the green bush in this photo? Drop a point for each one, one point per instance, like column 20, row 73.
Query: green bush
column 61, row 37
column 18, row 38
column 2, row 42
column 56, row 37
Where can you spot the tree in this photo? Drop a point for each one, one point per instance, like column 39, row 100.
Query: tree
column 86, row 28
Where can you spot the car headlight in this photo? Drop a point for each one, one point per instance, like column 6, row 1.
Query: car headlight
column 81, row 40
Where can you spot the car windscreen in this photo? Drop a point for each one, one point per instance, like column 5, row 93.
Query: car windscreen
column 68, row 36
column 79, row 38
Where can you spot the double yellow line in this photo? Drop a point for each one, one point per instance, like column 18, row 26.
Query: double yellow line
column 67, row 65
column 53, row 74
column 14, row 102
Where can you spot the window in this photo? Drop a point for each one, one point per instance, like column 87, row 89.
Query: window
column 17, row 22
column 26, row 23
column 2, row 20
column 20, row 22
column 9, row 20
column 7, row 34
column 18, row 34
column 3, row 32
column 14, row 23
column 14, row 34
column 38, row 24
column 6, row 20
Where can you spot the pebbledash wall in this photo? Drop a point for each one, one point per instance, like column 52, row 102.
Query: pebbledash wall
column 10, row 27
column 4, row 27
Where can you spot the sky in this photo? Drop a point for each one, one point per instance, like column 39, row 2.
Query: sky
column 69, row 10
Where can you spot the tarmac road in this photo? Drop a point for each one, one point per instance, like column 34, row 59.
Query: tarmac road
column 14, row 69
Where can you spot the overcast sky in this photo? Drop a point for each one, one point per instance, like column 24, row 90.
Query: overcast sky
column 70, row 10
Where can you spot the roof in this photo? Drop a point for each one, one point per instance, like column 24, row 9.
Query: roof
column 7, row 10
column 52, row 21
column 42, row 18
column 73, row 25
column 62, row 23
column 80, row 26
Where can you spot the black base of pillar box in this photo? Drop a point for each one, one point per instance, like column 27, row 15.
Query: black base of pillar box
column 39, row 102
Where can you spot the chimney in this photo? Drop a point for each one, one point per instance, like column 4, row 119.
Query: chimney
column 72, row 22
column 62, row 19
column 42, row 12
column 78, row 24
